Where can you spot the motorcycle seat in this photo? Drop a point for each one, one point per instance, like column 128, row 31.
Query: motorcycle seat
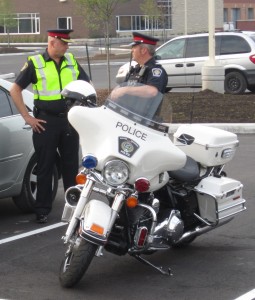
column 189, row 173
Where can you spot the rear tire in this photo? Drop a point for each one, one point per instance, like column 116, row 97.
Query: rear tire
column 76, row 262
column 235, row 83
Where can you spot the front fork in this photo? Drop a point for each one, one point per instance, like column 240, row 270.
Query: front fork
column 83, row 200
column 84, row 197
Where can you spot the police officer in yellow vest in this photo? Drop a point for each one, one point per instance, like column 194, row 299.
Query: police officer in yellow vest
column 49, row 73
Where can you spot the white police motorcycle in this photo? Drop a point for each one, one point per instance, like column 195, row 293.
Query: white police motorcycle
column 138, row 191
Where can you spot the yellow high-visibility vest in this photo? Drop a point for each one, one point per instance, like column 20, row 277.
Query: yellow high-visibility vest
column 50, row 82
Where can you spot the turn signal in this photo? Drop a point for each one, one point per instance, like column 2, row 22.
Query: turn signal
column 96, row 228
column 81, row 178
column 132, row 202
column 142, row 185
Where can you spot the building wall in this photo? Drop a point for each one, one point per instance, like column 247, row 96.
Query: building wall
column 50, row 10
column 197, row 16
column 243, row 23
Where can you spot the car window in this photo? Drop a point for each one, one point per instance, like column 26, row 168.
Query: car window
column 173, row 49
column 197, row 46
column 234, row 44
column 14, row 108
column 5, row 108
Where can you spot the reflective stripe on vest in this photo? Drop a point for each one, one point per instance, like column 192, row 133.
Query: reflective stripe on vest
column 49, row 81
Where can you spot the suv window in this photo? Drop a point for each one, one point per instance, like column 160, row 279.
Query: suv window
column 233, row 45
column 197, row 47
column 171, row 50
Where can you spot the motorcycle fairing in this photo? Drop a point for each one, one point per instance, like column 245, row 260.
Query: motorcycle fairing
column 102, row 141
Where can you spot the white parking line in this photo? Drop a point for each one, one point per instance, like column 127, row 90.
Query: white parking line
column 33, row 232
column 248, row 296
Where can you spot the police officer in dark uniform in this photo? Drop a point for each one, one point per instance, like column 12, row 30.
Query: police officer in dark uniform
column 147, row 71
column 49, row 73
column 146, row 79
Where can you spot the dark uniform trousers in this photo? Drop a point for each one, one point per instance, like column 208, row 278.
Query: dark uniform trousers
column 59, row 136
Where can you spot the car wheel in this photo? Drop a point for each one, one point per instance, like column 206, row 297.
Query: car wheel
column 26, row 200
column 235, row 83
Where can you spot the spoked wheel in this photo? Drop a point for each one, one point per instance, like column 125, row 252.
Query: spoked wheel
column 76, row 262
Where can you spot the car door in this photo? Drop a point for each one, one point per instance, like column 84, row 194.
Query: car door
column 15, row 142
column 197, row 53
column 171, row 57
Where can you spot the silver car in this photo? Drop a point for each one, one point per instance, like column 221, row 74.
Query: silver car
column 17, row 156
column 184, row 56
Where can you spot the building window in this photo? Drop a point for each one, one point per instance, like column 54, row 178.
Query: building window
column 133, row 23
column 250, row 13
column 225, row 15
column 21, row 23
column 65, row 22
column 236, row 13
column 143, row 22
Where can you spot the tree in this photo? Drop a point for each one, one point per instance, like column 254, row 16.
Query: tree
column 99, row 14
column 155, row 12
column 7, row 20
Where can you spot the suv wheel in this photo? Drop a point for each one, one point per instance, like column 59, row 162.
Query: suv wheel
column 25, row 201
column 235, row 83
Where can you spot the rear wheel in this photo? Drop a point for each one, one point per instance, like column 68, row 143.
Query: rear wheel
column 76, row 262
column 235, row 83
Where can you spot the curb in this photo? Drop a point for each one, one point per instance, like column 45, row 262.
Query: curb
column 241, row 128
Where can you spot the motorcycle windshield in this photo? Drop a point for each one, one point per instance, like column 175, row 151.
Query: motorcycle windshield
column 140, row 103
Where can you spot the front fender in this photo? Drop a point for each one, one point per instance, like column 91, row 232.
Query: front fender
column 96, row 222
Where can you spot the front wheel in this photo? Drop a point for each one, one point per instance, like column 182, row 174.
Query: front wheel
column 76, row 262
column 26, row 199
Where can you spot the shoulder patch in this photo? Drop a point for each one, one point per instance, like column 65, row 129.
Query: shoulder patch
column 24, row 67
column 156, row 72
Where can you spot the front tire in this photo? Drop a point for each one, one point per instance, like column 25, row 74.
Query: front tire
column 25, row 201
column 76, row 262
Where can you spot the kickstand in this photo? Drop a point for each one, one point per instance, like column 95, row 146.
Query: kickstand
column 160, row 269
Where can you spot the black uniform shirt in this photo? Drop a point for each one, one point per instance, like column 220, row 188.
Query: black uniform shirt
column 27, row 76
column 152, row 74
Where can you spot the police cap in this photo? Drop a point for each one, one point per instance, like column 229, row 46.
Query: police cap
column 62, row 34
column 139, row 38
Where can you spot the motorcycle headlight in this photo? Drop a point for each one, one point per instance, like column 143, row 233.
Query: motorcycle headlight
column 116, row 172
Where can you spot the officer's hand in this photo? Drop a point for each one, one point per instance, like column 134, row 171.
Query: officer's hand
column 35, row 123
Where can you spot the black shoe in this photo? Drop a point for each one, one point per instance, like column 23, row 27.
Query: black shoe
column 41, row 219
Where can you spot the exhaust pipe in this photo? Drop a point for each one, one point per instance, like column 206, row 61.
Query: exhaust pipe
column 201, row 230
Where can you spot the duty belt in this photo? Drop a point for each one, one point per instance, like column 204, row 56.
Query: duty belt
column 50, row 113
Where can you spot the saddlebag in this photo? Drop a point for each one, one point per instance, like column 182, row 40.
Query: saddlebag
column 219, row 198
